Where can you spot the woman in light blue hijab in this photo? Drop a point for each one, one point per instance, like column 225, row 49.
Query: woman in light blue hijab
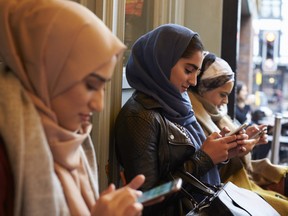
column 156, row 130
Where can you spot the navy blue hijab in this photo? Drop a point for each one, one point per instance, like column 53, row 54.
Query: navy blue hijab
column 149, row 68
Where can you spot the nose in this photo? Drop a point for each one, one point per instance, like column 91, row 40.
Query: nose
column 225, row 100
column 192, row 79
column 96, row 103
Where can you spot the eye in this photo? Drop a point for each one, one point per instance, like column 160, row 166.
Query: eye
column 188, row 71
column 90, row 86
column 93, row 84
column 192, row 69
column 223, row 95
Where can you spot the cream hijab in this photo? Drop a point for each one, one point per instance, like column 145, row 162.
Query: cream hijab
column 51, row 45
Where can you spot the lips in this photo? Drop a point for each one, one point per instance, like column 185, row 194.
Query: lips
column 85, row 117
column 185, row 88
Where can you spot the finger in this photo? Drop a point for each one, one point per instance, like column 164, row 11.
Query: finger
column 127, row 197
column 263, row 127
column 222, row 133
column 242, row 136
column 225, row 130
column 229, row 139
column 242, row 149
column 214, row 135
column 109, row 189
column 231, row 145
column 134, row 210
column 137, row 182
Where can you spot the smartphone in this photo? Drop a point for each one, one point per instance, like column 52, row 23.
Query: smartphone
column 161, row 190
column 237, row 130
column 259, row 133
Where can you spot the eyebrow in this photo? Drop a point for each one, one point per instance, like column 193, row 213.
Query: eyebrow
column 227, row 93
column 100, row 77
column 194, row 66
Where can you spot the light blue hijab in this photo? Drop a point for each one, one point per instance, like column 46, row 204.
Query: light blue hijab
column 148, row 70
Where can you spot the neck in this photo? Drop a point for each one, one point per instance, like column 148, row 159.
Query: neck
column 241, row 104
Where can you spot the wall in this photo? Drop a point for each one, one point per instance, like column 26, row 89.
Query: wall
column 205, row 17
column 245, row 60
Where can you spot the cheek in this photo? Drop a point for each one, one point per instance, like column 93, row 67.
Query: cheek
column 212, row 98
column 217, row 101
column 97, row 101
column 176, row 76
column 66, row 104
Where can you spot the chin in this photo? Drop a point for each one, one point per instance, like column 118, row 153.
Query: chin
column 76, row 129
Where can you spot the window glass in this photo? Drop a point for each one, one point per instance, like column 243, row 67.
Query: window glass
column 138, row 21
column 271, row 9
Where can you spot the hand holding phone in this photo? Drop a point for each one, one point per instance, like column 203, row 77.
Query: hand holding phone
column 161, row 190
column 237, row 130
column 259, row 133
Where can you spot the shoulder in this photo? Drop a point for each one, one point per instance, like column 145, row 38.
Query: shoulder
column 197, row 106
column 140, row 107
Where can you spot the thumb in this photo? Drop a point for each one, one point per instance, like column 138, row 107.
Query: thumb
column 225, row 130
column 214, row 135
column 137, row 182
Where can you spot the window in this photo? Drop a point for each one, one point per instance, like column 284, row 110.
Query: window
column 270, row 9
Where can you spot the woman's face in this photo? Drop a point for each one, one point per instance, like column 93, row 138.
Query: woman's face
column 185, row 72
column 75, row 106
column 243, row 93
column 219, row 96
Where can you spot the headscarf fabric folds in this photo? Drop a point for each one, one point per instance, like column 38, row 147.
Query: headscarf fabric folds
column 50, row 45
column 149, row 67
column 216, row 74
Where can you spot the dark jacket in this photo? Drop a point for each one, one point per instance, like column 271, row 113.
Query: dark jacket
column 6, row 183
column 147, row 143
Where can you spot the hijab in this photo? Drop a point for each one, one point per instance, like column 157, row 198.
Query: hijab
column 215, row 72
column 149, row 68
column 51, row 45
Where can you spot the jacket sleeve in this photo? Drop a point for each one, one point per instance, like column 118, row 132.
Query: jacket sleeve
column 137, row 147
column 201, row 163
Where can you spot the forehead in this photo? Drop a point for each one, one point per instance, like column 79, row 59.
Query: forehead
column 195, row 59
column 227, row 87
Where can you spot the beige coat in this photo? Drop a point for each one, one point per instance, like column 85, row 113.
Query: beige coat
column 243, row 172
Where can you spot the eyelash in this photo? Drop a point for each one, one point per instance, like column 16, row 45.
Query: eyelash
column 188, row 71
column 90, row 87
column 223, row 95
column 194, row 70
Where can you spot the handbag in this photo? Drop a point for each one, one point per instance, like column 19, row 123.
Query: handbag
column 226, row 199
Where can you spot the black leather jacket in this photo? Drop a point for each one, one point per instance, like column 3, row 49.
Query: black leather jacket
column 149, row 144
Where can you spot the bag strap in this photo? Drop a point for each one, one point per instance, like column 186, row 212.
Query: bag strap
column 192, row 180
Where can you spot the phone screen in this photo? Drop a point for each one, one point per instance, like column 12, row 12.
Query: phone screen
column 161, row 190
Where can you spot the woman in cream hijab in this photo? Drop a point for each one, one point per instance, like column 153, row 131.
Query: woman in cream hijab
column 57, row 57
column 209, row 99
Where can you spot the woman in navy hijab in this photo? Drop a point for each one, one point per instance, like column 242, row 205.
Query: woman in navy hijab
column 156, row 130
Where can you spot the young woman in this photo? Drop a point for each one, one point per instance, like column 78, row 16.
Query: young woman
column 209, row 99
column 156, row 130
column 57, row 57
column 243, row 110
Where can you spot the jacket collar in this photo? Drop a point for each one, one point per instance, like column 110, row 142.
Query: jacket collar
column 146, row 101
